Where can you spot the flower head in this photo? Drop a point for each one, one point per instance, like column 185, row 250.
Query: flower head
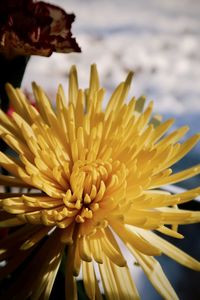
column 92, row 174
column 38, row 28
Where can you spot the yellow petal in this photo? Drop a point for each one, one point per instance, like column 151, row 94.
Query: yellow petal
column 130, row 237
column 172, row 251
column 155, row 274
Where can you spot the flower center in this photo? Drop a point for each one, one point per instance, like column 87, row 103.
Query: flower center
column 93, row 191
column 89, row 181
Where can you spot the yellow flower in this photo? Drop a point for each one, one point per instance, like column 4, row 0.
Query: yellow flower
column 92, row 174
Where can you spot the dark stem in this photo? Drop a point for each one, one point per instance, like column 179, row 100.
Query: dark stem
column 12, row 71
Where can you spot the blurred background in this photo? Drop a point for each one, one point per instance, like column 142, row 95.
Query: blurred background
column 160, row 42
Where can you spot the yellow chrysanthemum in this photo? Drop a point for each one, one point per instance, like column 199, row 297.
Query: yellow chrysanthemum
column 92, row 174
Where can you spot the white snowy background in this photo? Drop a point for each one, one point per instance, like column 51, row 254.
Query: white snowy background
column 160, row 42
